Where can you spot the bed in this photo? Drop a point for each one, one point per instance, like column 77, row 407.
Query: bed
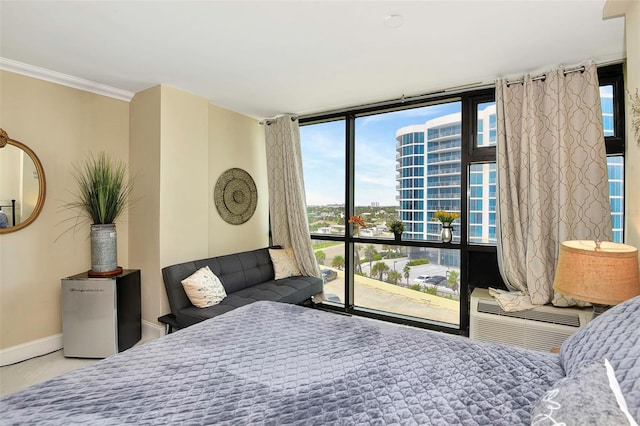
column 273, row 363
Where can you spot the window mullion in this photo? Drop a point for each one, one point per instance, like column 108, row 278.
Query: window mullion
column 349, row 211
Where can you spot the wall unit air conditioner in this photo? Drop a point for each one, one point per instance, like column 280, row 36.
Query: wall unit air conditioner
column 540, row 328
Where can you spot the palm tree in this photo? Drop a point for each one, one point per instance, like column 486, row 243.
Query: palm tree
column 394, row 276
column 405, row 272
column 369, row 252
column 380, row 268
column 320, row 256
column 452, row 280
column 356, row 250
column 338, row 262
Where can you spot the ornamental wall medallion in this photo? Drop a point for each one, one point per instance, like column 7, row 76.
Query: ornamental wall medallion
column 235, row 196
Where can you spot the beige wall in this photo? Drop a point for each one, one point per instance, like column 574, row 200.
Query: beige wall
column 184, row 177
column 144, row 220
column 61, row 125
column 169, row 152
column 176, row 145
column 179, row 146
column 236, row 140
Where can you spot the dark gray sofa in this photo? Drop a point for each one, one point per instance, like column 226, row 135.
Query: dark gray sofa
column 247, row 277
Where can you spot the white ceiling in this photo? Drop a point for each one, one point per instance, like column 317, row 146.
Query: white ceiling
column 264, row 58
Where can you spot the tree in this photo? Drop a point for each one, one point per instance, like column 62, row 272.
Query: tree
column 394, row 276
column 356, row 249
column 369, row 253
column 380, row 268
column 320, row 256
column 405, row 271
column 338, row 262
column 452, row 280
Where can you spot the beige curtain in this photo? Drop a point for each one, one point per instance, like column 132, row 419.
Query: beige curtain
column 552, row 179
column 287, row 200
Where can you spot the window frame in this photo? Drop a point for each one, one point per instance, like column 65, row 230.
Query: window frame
column 474, row 271
column 612, row 75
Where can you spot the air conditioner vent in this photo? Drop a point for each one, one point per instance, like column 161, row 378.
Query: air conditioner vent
column 536, row 315
column 540, row 328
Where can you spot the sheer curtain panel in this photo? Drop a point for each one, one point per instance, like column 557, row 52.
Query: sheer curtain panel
column 287, row 200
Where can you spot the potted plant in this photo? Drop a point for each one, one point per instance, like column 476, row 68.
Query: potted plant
column 397, row 227
column 103, row 193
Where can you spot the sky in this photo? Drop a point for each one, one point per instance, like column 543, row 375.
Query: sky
column 323, row 155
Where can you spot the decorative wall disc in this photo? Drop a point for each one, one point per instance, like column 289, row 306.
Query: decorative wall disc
column 235, row 196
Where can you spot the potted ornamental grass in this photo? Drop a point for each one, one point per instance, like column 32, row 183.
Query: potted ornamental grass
column 103, row 194
column 397, row 227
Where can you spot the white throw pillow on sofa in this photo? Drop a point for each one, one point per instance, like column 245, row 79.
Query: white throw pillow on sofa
column 284, row 263
column 204, row 288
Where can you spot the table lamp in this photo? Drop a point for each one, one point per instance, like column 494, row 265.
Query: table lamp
column 601, row 273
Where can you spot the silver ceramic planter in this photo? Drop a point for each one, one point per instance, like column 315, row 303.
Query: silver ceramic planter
column 104, row 256
column 446, row 235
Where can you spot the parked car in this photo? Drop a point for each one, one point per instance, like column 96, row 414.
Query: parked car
column 436, row 280
column 333, row 298
column 329, row 275
column 421, row 279
column 440, row 284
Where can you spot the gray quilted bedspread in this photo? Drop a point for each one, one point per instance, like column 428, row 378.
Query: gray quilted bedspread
column 277, row 364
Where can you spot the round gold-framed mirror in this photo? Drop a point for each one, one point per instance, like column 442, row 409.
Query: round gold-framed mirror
column 22, row 185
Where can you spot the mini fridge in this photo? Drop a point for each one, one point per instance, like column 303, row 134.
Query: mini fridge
column 100, row 316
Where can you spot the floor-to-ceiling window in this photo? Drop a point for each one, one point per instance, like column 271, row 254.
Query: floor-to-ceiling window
column 405, row 161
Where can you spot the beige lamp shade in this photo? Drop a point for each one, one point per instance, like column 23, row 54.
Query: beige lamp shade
column 605, row 275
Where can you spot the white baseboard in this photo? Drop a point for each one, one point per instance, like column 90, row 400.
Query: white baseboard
column 31, row 349
column 38, row 347
column 151, row 331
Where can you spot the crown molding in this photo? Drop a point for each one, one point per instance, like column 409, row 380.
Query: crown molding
column 65, row 79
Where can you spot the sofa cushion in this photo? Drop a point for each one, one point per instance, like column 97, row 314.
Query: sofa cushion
column 235, row 271
column 289, row 290
column 241, row 270
column 246, row 277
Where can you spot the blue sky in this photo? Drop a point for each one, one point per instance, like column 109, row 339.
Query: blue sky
column 323, row 147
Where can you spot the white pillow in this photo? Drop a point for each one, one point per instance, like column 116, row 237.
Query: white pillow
column 204, row 288
column 284, row 263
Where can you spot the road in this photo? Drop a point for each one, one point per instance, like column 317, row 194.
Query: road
column 374, row 294
column 397, row 264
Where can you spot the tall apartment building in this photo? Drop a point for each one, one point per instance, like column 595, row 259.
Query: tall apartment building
column 428, row 173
